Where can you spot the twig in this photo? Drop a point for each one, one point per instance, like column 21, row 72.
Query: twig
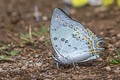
column 30, row 32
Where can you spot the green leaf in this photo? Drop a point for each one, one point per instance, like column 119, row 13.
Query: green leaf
column 28, row 41
column 114, row 61
column 24, row 36
column 44, row 29
column 36, row 34
column 119, row 54
column 47, row 41
column 13, row 53
column 4, row 57
column 2, row 43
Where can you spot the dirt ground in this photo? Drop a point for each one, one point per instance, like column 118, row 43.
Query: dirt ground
column 35, row 61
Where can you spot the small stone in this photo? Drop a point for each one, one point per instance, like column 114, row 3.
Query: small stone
column 68, row 2
column 108, row 68
column 112, row 31
column 1, row 69
column 42, row 38
column 101, row 33
column 45, row 18
column 47, row 79
column 110, row 45
column 117, row 44
column 117, row 70
column 30, row 61
column 38, row 64
column 107, row 38
column 118, row 35
column 73, row 11
column 101, row 9
column 50, row 53
column 30, row 65
column 100, row 59
column 113, row 38
column 36, row 56
column 23, row 67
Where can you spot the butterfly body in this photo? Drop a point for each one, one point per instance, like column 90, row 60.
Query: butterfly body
column 72, row 42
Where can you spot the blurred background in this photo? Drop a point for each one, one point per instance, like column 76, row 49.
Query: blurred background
column 24, row 27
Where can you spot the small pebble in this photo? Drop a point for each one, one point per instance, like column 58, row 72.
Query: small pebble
column 44, row 18
column 47, row 79
column 38, row 64
column 100, row 59
column 36, row 56
column 1, row 69
column 117, row 44
column 42, row 38
column 73, row 11
column 23, row 67
column 108, row 68
column 117, row 70
column 101, row 33
column 118, row 35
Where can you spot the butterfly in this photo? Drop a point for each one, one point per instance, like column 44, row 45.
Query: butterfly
column 72, row 42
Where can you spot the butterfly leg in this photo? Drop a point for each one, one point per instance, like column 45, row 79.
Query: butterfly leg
column 57, row 65
column 75, row 66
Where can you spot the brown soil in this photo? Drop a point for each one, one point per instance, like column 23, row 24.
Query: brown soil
column 35, row 61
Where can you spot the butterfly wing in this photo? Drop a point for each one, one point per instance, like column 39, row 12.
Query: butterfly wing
column 62, row 28
column 59, row 31
column 71, row 40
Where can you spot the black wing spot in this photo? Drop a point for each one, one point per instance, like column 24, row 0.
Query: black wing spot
column 56, row 45
column 53, row 29
column 69, row 45
column 66, row 41
column 55, row 38
column 75, row 48
column 62, row 39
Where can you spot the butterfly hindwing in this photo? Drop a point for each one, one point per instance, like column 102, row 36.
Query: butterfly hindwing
column 69, row 38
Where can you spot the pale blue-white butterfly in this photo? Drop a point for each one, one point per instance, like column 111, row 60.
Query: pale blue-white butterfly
column 71, row 41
